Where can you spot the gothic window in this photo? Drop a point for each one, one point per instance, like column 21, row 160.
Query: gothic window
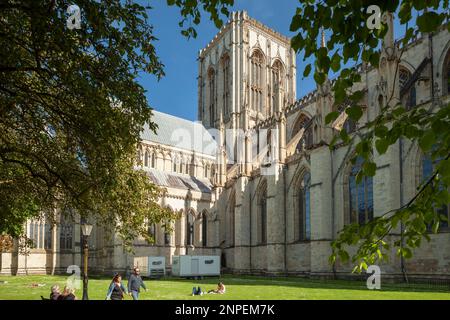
column 187, row 167
column 361, row 196
column 34, row 233
column 212, row 96
column 257, row 81
column 153, row 160
column 306, row 142
column 47, row 236
column 190, row 229
column 204, row 229
column 262, row 206
column 65, row 234
column 226, row 84
column 410, row 97
column 180, row 166
column 446, row 75
column 146, row 159
column 206, row 171
column 404, row 76
column 349, row 125
column 277, row 84
column 167, row 238
column 175, row 163
column 428, row 168
column 139, row 157
column 304, row 208
column 151, row 230
column 268, row 158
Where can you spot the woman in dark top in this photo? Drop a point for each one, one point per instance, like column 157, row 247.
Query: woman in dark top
column 68, row 294
column 116, row 289
column 54, row 295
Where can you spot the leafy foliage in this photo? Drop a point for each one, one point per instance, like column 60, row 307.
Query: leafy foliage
column 71, row 113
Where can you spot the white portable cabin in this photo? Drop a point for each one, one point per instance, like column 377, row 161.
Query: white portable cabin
column 156, row 267
column 195, row 266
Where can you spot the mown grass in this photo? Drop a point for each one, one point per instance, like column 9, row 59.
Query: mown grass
column 238, row 288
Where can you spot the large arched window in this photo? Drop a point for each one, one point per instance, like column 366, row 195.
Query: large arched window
column 190, row 229
column 257, row 81
column 262, row 214
column 204, row 229
column 403, row 76
column 304, row 208
column 361, row 196
column 407, row 90
column 428, row 168
column 212, row 96
column 226, row 84
column 446, row 75
column 65, row 234
column 277, row 85
column 306, row 141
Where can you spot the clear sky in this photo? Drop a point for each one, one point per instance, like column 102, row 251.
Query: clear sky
column 176, row 93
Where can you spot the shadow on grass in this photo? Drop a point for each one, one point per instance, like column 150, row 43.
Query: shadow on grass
column 314, row 284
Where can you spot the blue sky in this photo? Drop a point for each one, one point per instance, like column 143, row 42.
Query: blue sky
column 176, row 93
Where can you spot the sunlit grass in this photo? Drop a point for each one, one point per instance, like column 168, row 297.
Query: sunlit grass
column 238, row 288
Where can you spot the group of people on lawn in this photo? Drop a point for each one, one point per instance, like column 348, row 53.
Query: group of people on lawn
column 116, row 290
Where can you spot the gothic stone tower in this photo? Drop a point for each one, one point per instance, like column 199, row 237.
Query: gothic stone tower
column 247, row 76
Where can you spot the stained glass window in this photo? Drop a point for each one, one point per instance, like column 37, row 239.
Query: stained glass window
column 65, row 235
column 361, row 196
column 428, row 167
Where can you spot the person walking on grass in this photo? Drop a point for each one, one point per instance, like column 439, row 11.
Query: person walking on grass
column 116, row 289
column 135, row 283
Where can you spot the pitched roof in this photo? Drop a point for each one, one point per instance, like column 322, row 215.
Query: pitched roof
column 179, row 181
column 181, row 133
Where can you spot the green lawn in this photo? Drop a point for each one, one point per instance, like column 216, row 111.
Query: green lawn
column 238, row 288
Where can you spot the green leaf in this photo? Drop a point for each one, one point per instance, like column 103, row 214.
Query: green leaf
column 319, row 77
column 381, row 145
column 331, row 117
column 295, row 23
column 307, row 70
column 335, row 62
column 357, row 96
column 354, row 112
column 370, row 168
column 427, row 140
column 429, row 21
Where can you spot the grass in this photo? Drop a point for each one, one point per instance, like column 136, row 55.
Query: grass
column 238, row 288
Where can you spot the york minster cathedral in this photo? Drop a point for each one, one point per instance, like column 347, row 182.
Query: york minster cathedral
column 274, row 207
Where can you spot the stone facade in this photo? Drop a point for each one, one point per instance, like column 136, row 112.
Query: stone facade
column 274, row 210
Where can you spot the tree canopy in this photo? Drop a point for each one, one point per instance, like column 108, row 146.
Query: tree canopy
column 71, row 113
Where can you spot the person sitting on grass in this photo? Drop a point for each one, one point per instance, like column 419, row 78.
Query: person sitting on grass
column 68, row 294
column 55, row 293
column 116, row 289
column 220, row 289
